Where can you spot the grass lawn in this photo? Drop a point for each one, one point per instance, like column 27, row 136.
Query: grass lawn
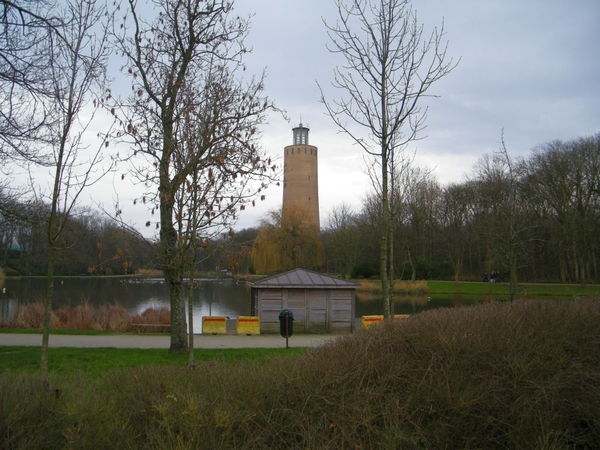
column 96, row 361
column 524, row 289
column 528, row 290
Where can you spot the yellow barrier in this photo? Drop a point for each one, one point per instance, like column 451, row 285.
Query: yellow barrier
column 367, row 321
column 248, row 325
column 401, row 316
column 214, row 325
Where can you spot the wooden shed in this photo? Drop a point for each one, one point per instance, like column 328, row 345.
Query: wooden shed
column 320, row 303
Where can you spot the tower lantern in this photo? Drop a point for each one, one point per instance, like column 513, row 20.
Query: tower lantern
column 300, row 135
column 300, row 176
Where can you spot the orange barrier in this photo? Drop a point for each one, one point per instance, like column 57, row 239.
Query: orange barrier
column 248, row 325
column 367, row 321
column 214, row 325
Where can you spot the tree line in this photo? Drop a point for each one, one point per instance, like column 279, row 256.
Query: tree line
column 539, row 214
column 90, row 244
column 94, row 244
column 535, row 218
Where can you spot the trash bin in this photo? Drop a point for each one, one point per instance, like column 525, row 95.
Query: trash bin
column 286, row 323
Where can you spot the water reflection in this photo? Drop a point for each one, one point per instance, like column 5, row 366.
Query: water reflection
column 210, row 296
column 368, row 303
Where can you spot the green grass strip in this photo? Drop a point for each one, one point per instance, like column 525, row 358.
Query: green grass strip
column 524, row 289
column 96, row 361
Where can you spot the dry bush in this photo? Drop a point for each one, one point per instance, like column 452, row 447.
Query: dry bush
column 113, row 317
column 512, row 375
column 367, row 285
column 153, row 316
column 28, row 418
column 30, row 315
column 108, row 317
column 80, row 317
column 406, row 287
column 156, row 315
column 149, row 273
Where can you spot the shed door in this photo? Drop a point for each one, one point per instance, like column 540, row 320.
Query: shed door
column 296, row 301
column 270, row 305
column 342, row 311
column 316, row 300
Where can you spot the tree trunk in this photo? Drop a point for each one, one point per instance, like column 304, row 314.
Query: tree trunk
column 392, row 273
column 385, row 223
column 179, row 336
column 413, row 275
column 47, row 316
column 172, row 273
column 191, row 315
column 513, row 275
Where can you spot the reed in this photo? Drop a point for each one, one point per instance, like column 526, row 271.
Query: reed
column 30, row 315
column 113, row 317
column 405, row 287
column 107, row 317
column 149, row 273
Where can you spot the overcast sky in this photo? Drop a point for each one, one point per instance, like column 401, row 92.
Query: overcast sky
column 530, row 67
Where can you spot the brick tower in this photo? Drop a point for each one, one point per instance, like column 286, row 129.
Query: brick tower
column 300, row 176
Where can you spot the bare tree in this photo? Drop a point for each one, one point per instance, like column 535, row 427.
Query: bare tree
column 28, row 33
column 187, row 62
column 199, row 216
column 509, row 228
column 389, row 67
column 78, row 79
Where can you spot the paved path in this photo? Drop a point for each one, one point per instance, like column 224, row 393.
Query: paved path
column 156, row 341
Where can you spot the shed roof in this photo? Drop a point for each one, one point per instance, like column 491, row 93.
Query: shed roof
column 302, row 278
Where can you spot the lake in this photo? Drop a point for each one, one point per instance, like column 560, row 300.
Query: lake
column 213, row 297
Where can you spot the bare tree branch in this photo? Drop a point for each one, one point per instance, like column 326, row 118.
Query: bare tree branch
column 389, row 68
